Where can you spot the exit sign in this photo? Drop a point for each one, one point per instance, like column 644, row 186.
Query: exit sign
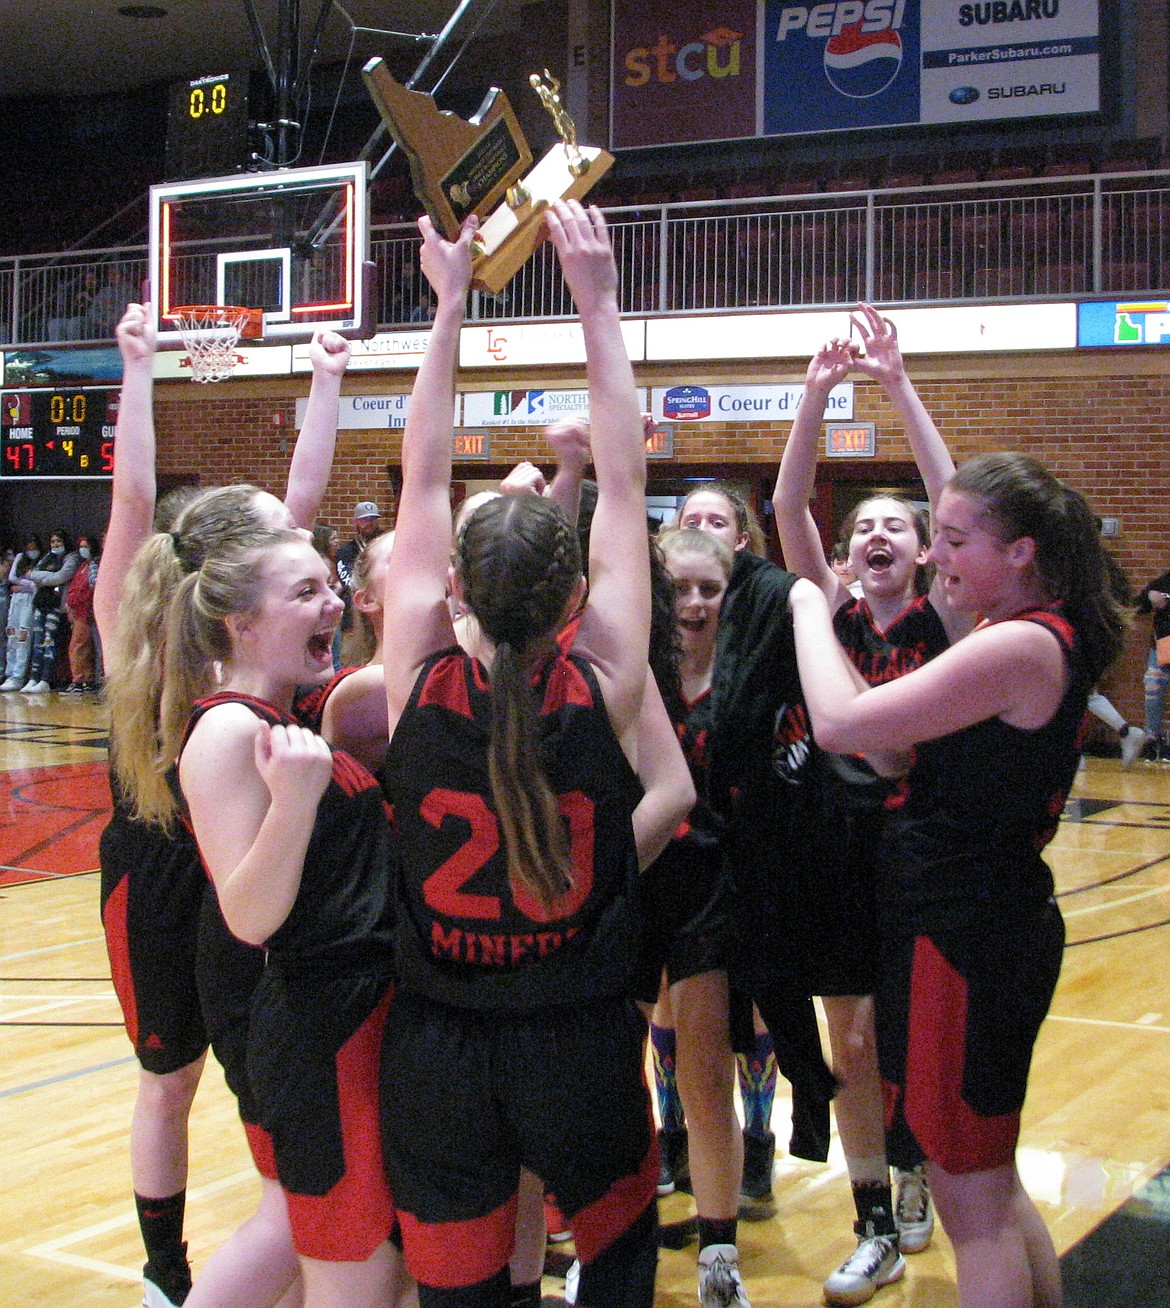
column 472, row 445
column 850, row 440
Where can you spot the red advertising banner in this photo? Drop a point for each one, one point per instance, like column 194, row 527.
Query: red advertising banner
column 682, row 72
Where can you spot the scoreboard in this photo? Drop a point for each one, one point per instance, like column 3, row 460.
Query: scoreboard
column 58, row 433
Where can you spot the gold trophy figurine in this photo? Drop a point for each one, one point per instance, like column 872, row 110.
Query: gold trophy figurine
column 481, row 166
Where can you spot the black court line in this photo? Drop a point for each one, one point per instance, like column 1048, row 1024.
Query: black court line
column 1117, row 935
column 1119, row 876
column 1123, row 1263
column 119, row 1024
column 54, row 733
column 51, row 979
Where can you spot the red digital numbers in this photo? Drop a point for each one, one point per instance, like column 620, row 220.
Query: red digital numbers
column 107, row 456
column 22, row 455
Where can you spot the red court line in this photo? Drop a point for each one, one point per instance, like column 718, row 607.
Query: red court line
column 51, row 819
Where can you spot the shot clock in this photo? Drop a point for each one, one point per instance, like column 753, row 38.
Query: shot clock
column 58, row 433
column 207, row 127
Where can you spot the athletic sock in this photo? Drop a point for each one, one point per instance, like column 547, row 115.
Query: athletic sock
column 670, row 1108
column 757, row 1086
column 874, row 1203
column 716, row 1231
column 161, row 1223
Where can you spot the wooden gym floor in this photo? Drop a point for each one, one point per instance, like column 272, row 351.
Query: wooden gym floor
column 1096, row 1128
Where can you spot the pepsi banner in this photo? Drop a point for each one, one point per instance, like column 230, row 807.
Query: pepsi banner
column 690, row 75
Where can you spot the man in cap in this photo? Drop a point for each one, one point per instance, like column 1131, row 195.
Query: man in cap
column 366, row 525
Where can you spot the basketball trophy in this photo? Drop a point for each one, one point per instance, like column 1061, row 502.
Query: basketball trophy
column 483, row 166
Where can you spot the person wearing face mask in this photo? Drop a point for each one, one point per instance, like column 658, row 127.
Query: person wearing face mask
column 52, row 578
column 79, row 609
column 20, row 614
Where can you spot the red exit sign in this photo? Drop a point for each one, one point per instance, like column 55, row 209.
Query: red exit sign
column 472, row 445
column 850, row 440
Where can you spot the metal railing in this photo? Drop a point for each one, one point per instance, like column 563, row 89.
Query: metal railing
column 1106, row 235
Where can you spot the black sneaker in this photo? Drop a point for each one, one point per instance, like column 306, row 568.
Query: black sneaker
column 675, row 1162
column 166, row 1286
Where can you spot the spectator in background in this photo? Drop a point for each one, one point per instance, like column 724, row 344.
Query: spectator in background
column 366, row 525
column 79, row 610
column 105, row 306
column 52, row 578
column 1155, row 598
column 20, row 614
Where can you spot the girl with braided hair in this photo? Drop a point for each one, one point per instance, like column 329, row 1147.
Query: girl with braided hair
column 513, row 1040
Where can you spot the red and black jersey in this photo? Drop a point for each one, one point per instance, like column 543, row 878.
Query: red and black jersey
column 915, row 637
column 342, row 915
column 467, row 934
column 309, row 706
column 979, row 806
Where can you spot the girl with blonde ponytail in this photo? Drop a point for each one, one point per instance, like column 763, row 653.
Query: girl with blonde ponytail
column 153, row 887
column 513, row 1040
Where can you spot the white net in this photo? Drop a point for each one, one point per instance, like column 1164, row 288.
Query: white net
column 211, row 333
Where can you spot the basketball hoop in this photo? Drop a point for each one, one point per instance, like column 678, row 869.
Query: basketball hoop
column 210, row 333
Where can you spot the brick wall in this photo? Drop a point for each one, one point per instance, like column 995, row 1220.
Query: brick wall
column 1097, row 420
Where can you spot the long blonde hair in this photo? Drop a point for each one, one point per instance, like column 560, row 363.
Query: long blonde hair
column 140, row 761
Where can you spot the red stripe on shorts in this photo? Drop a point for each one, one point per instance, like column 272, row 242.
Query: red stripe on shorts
column 450, row 1255
column 114, row 920
column 351, row 1221
column 949, row 1130
column 263, row 1154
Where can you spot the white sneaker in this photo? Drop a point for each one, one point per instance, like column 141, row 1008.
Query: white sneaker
column 1133, row 741
column 572, row 1281
column 720, row 1285
column 13, row 683
column 913, row 1210
column 36, row 688
column 874, row 1263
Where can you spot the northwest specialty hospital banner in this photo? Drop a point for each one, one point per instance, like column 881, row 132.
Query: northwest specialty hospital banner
column 742, row 68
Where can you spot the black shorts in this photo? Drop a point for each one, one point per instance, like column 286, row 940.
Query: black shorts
column 151, row 890
column 687, row 908
column 958, row 1013
column 313, row 1055
column 468, row 1097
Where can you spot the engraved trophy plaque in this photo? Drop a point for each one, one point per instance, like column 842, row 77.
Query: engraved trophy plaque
column 484, row 166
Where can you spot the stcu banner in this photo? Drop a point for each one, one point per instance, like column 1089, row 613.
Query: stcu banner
column 745, row 68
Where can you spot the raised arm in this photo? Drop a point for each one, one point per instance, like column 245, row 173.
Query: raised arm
column 133, row 495
column 668, row 788
column 569, row 440
column 615, row 625
column 312, row 459
column 799, row 538
column 416, row 618
column 882, row 360
column 1011, row 670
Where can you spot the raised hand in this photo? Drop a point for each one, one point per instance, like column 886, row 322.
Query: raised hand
column 329, row 353
column 135, row 334
column 294, row 763
column 882, row 359
column 447, row 264
column 524, row 479
column 569, row 440
column 830, row 365
column 581, row 240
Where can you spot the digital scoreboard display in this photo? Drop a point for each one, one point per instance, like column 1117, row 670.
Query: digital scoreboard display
column 207, row 127
column 58, row 433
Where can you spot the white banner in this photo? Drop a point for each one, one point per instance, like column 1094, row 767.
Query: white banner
column 526, row 408
column 529, row 344
column 689, row 403
column 365, row 412
column 251, row 361
column 1009, row 59
column 385, row 351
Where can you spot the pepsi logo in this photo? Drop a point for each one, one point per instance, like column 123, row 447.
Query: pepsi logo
column 963, row 95
column 862, row 64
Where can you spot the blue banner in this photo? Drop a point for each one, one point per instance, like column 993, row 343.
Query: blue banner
column 1123, row 322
